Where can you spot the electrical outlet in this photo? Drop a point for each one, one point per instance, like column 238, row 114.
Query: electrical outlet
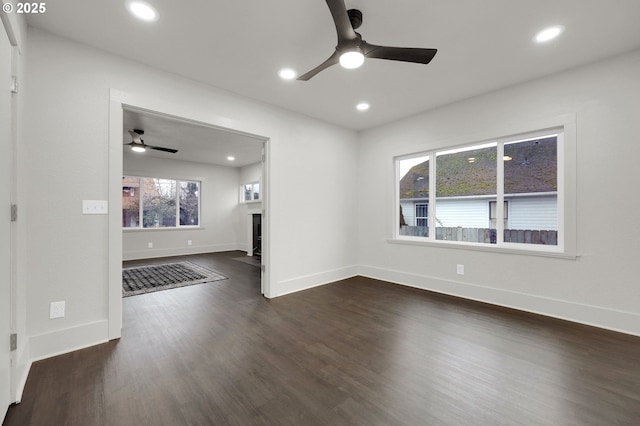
column 56, row 310
column 460, row 269
column 149, row 245
column 189, row 242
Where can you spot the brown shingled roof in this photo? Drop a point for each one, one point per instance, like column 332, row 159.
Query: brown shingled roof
column 532, row 168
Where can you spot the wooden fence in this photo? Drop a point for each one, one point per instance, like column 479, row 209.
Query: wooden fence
column 485, row 235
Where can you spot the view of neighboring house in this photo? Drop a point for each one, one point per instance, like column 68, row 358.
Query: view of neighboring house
column 163, row 202
column 466, row 188
column 130, row 202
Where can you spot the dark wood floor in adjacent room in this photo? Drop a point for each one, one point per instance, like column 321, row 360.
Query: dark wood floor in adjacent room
column 359, row 351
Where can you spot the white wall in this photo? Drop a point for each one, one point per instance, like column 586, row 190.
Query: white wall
column 219, row 222
column 22, row 359
column 601, row 286
column 66, row 161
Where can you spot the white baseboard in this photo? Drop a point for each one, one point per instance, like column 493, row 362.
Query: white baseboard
column 305, row 282
column 21, row 371
column 179, row 251
column 615, row 320
column 59, row 342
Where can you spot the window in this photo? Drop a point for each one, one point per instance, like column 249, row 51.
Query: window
column 499, row 193
column 422, row 218
column 465, row 179
column 250, row 192
column 159, row 203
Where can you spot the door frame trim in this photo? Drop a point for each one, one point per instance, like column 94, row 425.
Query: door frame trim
column 118, row 102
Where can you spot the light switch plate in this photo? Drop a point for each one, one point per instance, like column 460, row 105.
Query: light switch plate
column 95, row 207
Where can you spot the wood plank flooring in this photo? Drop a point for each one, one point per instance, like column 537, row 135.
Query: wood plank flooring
column 359, row 351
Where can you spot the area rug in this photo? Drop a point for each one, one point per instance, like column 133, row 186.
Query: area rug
column 250, row 260
column 145, row 279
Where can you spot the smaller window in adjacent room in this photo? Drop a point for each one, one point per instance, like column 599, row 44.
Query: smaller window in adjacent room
column 189, row 203
column 250, row 192
column 149, row 203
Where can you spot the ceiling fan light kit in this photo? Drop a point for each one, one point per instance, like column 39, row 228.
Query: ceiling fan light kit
column 352, row 50
column 138, row 145
column 352, row 59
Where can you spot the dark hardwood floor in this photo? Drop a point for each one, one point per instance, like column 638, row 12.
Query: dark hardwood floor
column 359, row 351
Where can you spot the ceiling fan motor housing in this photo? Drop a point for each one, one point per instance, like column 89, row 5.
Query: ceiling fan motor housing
column 355, row 17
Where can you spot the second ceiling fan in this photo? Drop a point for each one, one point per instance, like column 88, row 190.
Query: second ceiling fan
column 352, row 49
column 138, row 145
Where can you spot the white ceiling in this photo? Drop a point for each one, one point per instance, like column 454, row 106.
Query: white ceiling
column 194, row 142
column 239, row 45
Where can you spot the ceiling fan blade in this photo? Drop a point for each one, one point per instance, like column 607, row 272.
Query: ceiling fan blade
column 341, row 20
column 404, row 54
column 333, row 59
column 159, row 148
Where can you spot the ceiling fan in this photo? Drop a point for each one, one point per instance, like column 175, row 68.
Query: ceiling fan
column 352, row 49
column 138, row 145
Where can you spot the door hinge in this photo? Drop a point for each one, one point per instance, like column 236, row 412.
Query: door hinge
column 13, row 341
column 263, row 267
column 14, row 84
column 14, row 212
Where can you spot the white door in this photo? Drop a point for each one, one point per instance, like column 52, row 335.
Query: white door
column 5, row 219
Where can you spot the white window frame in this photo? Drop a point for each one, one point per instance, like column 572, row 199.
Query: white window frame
column 166, row 228
column 564, row 127
column 252, row 200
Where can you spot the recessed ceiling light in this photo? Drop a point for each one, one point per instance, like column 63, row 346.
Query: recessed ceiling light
column 143, row 10
column 363, row 106
column 287, row 74
column 231, row 158
column 548, row 34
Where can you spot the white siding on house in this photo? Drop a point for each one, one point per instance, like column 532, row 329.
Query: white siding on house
column 409, row 212
column 533, row 213
column 529, row 212
column 467, row 213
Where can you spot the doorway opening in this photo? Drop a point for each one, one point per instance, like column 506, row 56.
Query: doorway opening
column 212, row 160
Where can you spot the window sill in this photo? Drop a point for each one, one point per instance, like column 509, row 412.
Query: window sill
column 183, row 228
column 483, row 247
